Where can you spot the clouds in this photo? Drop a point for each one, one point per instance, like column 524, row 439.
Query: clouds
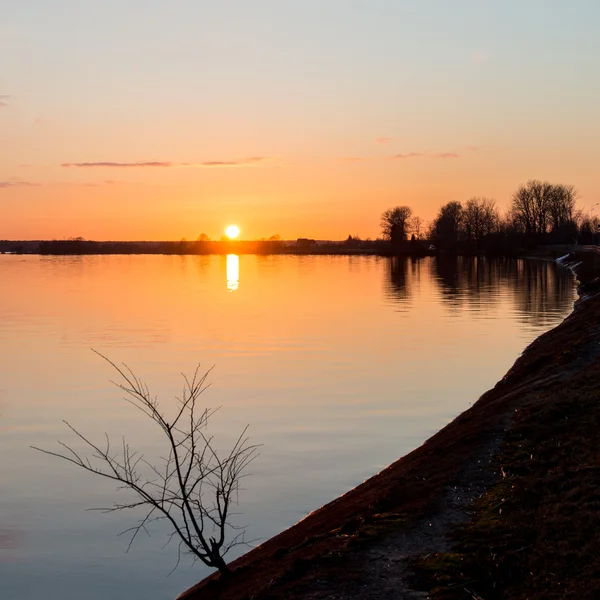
column 117, row 164
column 15, row 183
column 97, row 183
column 252, row 160
column 408, row 155
column 245, row 162
column 4, row 100
column 446, row 155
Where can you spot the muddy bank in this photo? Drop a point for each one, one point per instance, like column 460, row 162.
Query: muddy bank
column 502, row 502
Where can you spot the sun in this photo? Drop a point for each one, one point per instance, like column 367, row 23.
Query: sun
column 232, row 231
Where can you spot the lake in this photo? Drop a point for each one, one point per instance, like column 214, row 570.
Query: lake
column 340, row 365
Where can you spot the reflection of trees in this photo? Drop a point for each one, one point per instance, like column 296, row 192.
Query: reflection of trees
column 447, row 273
column 537, row 289
column 541, row 290
column 463, row 279
column 398, row 285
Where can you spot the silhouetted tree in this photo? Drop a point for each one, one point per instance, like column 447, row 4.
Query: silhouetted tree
column 352, row 241
column 562, row 206
column 563, row 214
column 540, row 207
column 395, row 223
column 589, row 227
column 480, row 219
column 416, row 226
column 182, row 247
column 447, row 227
column 203, row 238
column 193, row 487
column 530, row 207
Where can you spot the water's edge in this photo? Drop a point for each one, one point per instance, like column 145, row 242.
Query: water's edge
column 405, row 500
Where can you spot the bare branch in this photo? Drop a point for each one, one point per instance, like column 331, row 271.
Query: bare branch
column 191, row 487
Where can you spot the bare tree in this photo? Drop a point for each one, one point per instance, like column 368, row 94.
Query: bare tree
column 588, row 228
column 480, row 218
column 417, row 226
column 562, row 207
column 531, row 206
column 540, row 207
column 395, row 223
column 192, row 487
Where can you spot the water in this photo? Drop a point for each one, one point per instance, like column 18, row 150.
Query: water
column 339, row 364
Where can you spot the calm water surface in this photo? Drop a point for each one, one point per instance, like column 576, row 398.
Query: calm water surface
column 339, row 364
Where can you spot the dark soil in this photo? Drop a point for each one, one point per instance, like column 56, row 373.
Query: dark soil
column 504, row 502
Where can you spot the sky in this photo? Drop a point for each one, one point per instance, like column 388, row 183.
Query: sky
column 153, row 120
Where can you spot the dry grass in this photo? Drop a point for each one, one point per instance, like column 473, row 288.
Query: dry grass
column 536, row 532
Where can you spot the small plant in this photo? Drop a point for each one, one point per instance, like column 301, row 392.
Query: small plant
column 193, row 487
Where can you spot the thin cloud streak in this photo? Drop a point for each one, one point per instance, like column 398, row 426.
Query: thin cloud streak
column 408, row 155
column 252, row 160
column 15, row 183
column 384, row 140
column 117, row 165
column 97, row 183
column 446, row 155
column 88, row 184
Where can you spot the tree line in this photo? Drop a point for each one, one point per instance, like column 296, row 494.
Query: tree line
column 540, row 213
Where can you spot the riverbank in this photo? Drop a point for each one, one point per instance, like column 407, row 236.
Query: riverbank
column 502, row 502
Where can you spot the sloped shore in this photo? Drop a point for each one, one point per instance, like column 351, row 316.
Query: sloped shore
column 504, row 502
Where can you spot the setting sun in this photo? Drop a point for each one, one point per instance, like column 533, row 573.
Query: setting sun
column 232, row 231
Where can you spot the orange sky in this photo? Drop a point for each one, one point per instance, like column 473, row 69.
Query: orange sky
column 297, row 120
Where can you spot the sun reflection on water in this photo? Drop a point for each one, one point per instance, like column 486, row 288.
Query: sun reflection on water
column 233, row 272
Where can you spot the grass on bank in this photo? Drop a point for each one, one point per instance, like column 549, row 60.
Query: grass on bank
column 536, row 532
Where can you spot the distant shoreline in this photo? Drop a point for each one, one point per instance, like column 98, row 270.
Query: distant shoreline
column 302, row 246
